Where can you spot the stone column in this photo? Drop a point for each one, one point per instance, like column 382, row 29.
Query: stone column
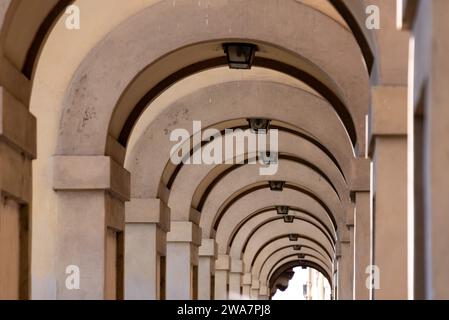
column 235, row 279
column 363, row 250
column 222, row 267
column 206, row 269
column 246, row 286
column 17, row 150
column 91, row 195
column 360, row 216
column 345, row 268
column 432, row 21
column 388, row 149
column 255, row 289
column 264, row 293
column 350, row 253
column 183, row 241
column 147, row 223
column 336, row 284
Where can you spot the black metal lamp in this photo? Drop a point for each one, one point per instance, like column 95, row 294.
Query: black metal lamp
column 276, row 185
column 297, row 247
column 289, row 219
column 293, row 237
column 258, row 124
column 282, row 209
column 240, row 55
column 268, row 157
column 301, row 256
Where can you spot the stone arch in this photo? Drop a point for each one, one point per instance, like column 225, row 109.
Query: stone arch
column 199, row 101
column 308, row 262
column 270, row 264
column 91, row 137
column 234, row 192
column 113, row 154
column 240, row 242
column 262, row 199
column 281, row 244
column 183, row 196
column 265, row 234
column 275, row 277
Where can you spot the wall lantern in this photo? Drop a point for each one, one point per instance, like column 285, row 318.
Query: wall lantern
column 269, row 157
column 276, row 185
column 282, row 209
column 297, row 247
column 293, row 237
column 289, row 219
column 240, row 55
column 258, row 125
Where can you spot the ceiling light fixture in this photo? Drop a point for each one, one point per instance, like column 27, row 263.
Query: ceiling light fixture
column 282, row 209
column 259, row 125
column 276, row 185
column 240, row 55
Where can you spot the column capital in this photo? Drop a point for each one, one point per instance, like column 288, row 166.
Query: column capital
column 339, row 246
column 223, row 262
column 236, row 266
column 17, row 125
column 146, row 211
column 388, row 113
column 75, row 173
column 184, row 231
column 247, row 279
column 350, row 211
column 263, row 290
column 360, row 175
column 255, row 284
column 208, row 248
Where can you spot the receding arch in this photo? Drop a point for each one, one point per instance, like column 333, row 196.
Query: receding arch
column 266, row 234
column 183, row 196
column 147, row 184
column 273, row 260
column 283, row 243
column 295, row 263
column 259, row 218
column 252, row 203
column 91, row 138
column 271, row 267
column 239, row 194
column 265, row 220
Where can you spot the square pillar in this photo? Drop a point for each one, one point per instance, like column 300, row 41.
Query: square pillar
column 388, row 149
column 363, row 250
column 246, row 286
column 359, row 217
column 345, row 271
column 235, row 279
column 264, row 292
column 222, row 267
column 255, row 289
column 91, row 195
column 206, row 269
column 183, row 241
column 431, row 57
column 147, row 224
column 17, row 150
